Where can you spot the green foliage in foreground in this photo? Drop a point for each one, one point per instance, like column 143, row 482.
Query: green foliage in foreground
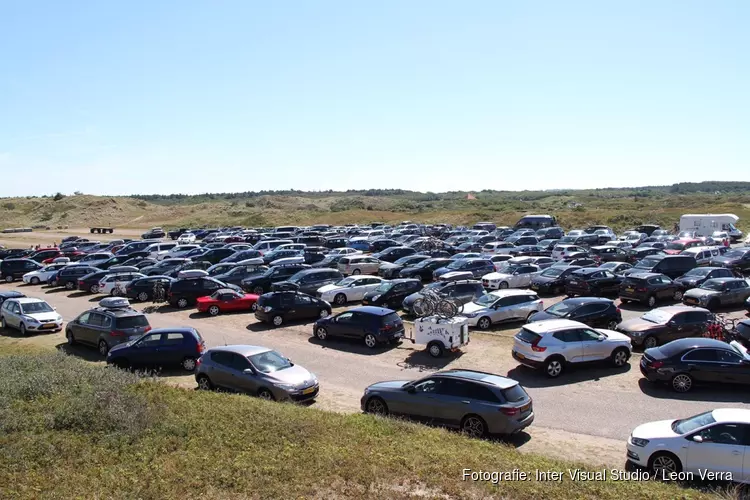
column 71, row 429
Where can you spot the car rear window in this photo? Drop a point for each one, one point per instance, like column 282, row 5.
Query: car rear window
column 633, row 281
column 514, row 394
column 528, row 336
column 131, row 321
column 391, row 318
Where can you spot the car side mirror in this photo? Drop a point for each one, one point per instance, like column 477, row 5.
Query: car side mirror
column 248, row 371
column 601, row 338
column 698, row 438
column 411, row 389
column 671, row 323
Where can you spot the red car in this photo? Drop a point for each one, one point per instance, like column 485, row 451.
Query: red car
column 45, row 253
column 226, row 300
column 73, row 256
column 678, row 246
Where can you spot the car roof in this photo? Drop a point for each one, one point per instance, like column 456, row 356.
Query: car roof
column 692, row 342
column 731, row 415
column 587, row 270
column 509, row 292
column 375, row 311
column 643, row 276
column 28, row 300
column 176, row 329
column 587, row 300
column 11, row 294
column 552, row 325
column 677, row 309
column 490, row 378
column 245, row 350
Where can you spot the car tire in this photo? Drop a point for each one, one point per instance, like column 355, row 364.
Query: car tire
column 435, row 349
column 682, row 383
column 277, row 320
column 620, row 357
column 142, row 297
column 484, row 323
column 650, row 342
column 70, row 285
column 258, row 290
column 612, row 325
column 662, row 463
column 22, row 329
column 370, row 340
column 204, row 383
column 651, row 301
column 503, row 285
column 264, row 393
column 356, row 272
column 70, row 338
column 188, row 363
column 35, row 281
column 214, row 310
column 340, row 299
column 182, row 303
column 254, row 307
column 9, row 278
column 103, row 347
column 94, row 289
column 554, row 367
column 677, row 297
column 321, row 333
column 474, row 426
column 376, row 406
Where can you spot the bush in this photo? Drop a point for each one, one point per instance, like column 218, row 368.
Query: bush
column 59, row 196
column 347, row 204
column 9, row 206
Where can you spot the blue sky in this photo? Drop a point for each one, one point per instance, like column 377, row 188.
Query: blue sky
column 165, row 96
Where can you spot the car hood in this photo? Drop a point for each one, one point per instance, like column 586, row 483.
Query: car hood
column 121, row 347
column 472, row 307
column 496, row 276
column 539, row 279
column 613, row 335
column 688, row 281
column 653, row 430
column 295, row 375
column 700, row 292
column 44, row 316
column 389, row 265
column 722, row 261
column 390, row 385
column 329, row 288
column 639, row 325
column 543, row 316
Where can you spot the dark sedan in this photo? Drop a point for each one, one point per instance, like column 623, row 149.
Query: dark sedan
column 737, row 258
column 593, row 311
column 592, row 282
column 665, row 324
column 649, row 288
column 392, row 254
column 143, row 289
column 699, row 275
column 390, row 270
column 552, row 279
column 424, row 269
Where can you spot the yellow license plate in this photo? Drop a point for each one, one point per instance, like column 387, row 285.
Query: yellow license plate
column 49, row 325
column 520, row 355
column 629, row 289
column 309, row 390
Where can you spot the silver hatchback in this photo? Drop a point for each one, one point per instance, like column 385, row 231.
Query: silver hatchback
column 255, row 370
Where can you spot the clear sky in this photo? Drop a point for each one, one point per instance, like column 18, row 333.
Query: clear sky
column 192, row 96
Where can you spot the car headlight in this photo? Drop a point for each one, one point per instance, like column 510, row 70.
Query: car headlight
column 472, row 314
column 636, row 334
column 29, row 319
column 267, row 309
column 375, row 297
column 638, row 441
column 59, row 318
column 286, row 387
column 703, row 299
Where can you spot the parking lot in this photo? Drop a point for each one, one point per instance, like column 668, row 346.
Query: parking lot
column 586, row 414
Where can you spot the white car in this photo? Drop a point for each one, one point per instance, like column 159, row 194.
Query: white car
column 176, row 251
column 186, row 238
column 298, row 259
column 501, row 306
column 28, row 314
column 499, row 259
column 44, row 274
column 497, row 247
column 291, row 246
column 562, row 251
column 345, row 251
column 155, row 249
column 351, row 289
column 109, row 283
column 94, row 259
column 712, row 443
column 514, row 276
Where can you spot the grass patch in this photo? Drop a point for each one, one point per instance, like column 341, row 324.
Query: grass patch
column 71, row 429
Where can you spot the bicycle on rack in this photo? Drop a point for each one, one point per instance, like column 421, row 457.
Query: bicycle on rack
column 720, row 327
column 159, row 293
column 118, row 290
column 434, row 304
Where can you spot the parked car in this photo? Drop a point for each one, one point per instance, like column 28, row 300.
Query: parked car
column 551, row 345
column 29, row 315
column 226, row 300
column 244, row 255
column 514, row 276
column 44, row 274
column 185, row 238
column 111, row 323
column 678, row 246
column 154, row 233
column 330, row 261
column 425, row 269
column 686, row 362
column 608, row 253
column 718, row 292
column 358, row 264
column 703, row 255
column 349, row 289
column 9, row 294
column 278, row 308
column 142, row 289
column 736, row 258
column 13, row 269
column 261, row 283
column 371, row 325
column 255, row 370
column 563, row 250
column 665, row 324
column 592, row 282
column 90, row 282
column 592, row 311
column 94, row 259
column 392, row 269
column 699, row 275
column 672, row 266
column 476, row 266
column 501, row 306
column 478, row 403
column 635, row 255
column 239, row 273
column 617, row 268
column 552, row 280
column 185, row 291
column 179, row 346
column 649, row 288
column 392, row 293
column 308, row 281
column 462, row 291
column 116, row 283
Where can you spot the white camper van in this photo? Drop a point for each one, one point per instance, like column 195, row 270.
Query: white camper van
column 706, row 224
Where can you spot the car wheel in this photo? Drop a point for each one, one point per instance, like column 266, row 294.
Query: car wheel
column 94, row 289
column 22, row 328
column 356, row 272
column 188, row 364
column 204, row 383
column 503, row 285
column 70, row 285
column 339, row 299
column 3, row 326
column 554, row 367
column 370, row 340
column 682, row 382
column 182, row 303
column 376, row 406
column 651, row 301
column 143, row 297
column 35, row 281
column 277, row 320
column 612, row 325
column 265, row 394
column 258, row 290
column 473, row 426
column 664, row 463
column 254, row 307
column 677, row 296
column 484, row 323
column 650, row 342
column 435, row 349
column 103, row 347
column 620, row 357
column 321, row 333
column 214, row 310
column 70, row 337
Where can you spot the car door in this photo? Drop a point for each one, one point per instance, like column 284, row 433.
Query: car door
column 77, row 326
column 423, row 402
column 172, row 348
column 339, row 326
column 731, row 368
column 502, row 309
column 659, row 287
column 694, row 323
column 702, row 364
column 524, row 276
column 594, row 347
column 13, row 315
column 609, row 283
column 585, row 314
column 147, row 350
column 93, row 328
column 220, row 371
column 722, row 449
column 304, row 307
column 458, row 398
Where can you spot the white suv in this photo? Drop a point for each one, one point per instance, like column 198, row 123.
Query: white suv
column 562, row 251
column 550, row 345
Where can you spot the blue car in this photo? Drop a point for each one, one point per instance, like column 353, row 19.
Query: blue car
column 162, row 347
column 362, row 245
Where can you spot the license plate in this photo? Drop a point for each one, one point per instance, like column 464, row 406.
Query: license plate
column 309, row 390
column 49, row 325
column 629, row 289
column 525, row 407
column 521, row 356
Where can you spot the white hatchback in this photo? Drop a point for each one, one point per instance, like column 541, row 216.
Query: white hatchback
column 44, row 274
column 28, row 314
column 350, row 289
column 111, row 282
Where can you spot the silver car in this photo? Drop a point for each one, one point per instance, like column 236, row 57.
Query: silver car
column 29, row 315
column 500, row 306
column 358, row 264
column 255, row 370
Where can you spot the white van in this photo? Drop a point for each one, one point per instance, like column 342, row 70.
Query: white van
column 706, row 224
column 703, row 255
column 154, row 249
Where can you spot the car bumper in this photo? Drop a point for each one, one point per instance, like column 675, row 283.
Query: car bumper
column 45, row 327
column 491, row 285
column 514, row 426
column 527, row 361
column 300, row 396
column 632, row 296
column 636, row 455
column 264, row 316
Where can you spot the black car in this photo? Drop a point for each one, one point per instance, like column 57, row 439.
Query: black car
column 142, row 289
column 736, row 258
column 164, row 267
column 382, row 244
column 155, row 233
column 243, row 255
column 522, row 250
column 68, row 276
column 665, row 324
column 13, row 269
column 184, row 291
column 391, row 270
column 372, row 325
column 237, row 274
column 117, row 260
column 201, row 265
column 649, row 288
column 638, row 253
column 423, row 271
column 392, row 254
column 699, row 275
column 14, row 253
column 179, row 346
column 552, row 280
column 215, row 255
column 392, row 293
column 592, row 282
column 593, row 311
column 523, row 240
column 260, row 284
column 573, row 260
column 686, row 362
column 330, row 261
column 90, row 282
column 278, row 308
column 609, row 253
column 336, row 242
column 135, row 247
column 463, row 291
column 546, row 233
column 308, row 281
column 672, row 266
column 313, row 255
column 9, row 294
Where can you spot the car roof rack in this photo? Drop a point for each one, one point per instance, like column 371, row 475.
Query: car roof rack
column 114, row 303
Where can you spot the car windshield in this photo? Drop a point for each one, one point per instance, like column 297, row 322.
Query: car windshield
column 735, row 254
column 675, row 246
column 698, row 271
column 561, row 309
column 36, row 307
column 552, row 272
column 609, row 265
column 269, row 362
column 511, row 269
column 346, row 281
column 687, row 425
column 645, row 264
column 486, row 300
column 456, row 264
column 403, row 260
column 656, row 316
column 712, row 285
column 384, row 287
column 424, row 263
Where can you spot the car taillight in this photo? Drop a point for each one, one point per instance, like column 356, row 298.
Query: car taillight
column 641, row 289
column 510, row 411
column 200, row 348
column 535, row 347
column 198, row 361
column 656, row 364
column 147, row 329
column 617, row 310
column 117, row 333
